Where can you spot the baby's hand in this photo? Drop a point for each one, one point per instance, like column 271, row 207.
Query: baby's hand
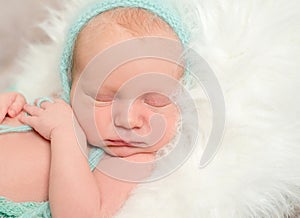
column 50, row 118
column 11, row 104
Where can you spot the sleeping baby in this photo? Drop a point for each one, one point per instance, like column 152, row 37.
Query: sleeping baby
column 114, row 107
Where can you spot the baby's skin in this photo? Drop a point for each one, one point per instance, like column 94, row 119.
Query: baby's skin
column 49, row 164
column 28, row 161
column 25, row 160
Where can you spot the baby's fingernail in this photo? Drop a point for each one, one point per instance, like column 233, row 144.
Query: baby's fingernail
column 21, row 118
column 12, row 112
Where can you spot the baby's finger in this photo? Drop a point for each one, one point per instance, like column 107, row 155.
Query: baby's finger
column 17, row 106
column 32, row 110
column 45, row 104
column 28, row 120
column 38, row 102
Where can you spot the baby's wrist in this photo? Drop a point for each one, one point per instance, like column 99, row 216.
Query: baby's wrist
column 62, row 131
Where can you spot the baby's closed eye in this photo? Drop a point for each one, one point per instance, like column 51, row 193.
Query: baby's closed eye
column 151, row 99
column 156, row 100
column 104, row 100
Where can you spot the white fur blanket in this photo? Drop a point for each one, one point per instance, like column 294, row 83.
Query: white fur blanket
column 254, row 48
column 18, row 26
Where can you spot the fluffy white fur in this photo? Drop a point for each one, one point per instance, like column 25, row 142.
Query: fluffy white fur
column 254, row 48
column 19, row 25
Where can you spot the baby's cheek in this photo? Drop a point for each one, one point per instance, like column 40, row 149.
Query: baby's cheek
column 172, row 123
column 172, row 118
column 103, row 121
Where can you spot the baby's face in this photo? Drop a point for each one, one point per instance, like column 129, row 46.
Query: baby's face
column 125, row 116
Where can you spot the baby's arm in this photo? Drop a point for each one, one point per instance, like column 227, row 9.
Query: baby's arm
column 11, row 104
column 73, row 191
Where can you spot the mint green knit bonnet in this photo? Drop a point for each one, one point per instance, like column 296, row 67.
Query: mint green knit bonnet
column 161, row 8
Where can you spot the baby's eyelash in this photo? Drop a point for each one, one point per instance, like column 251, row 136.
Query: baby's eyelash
column 151, row 99
column 102, row 104
column 103, row 100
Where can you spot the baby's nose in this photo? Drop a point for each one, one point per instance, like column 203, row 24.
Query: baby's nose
column 128, row 116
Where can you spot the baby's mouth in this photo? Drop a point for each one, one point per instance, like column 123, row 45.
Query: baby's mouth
column 122, row 143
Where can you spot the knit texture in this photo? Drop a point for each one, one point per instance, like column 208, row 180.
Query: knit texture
column 10, row 209
column 9, row 129
column 158, row 7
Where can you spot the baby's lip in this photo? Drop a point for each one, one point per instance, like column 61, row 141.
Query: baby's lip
column 120, row 142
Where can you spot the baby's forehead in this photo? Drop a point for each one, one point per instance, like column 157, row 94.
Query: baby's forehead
column 118, row 24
